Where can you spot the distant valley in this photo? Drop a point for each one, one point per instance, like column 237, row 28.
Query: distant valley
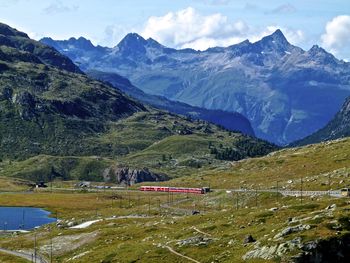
column 338, row 127
column 232, row 121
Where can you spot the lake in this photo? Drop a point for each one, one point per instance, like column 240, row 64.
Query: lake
column 23, row 218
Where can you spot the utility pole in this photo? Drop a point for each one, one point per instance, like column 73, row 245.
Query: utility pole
column 149, row 206
column 129, row 198
column 160, row 212
column 34, row 246
column 51, row 183
column 236, row 200
column 51, row 260
column 301, row 189
column 52, row 171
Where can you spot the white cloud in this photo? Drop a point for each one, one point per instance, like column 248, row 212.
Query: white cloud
column 58, row 7
column 112, row 35
column 215, row 2
column 283, row 9
column 337, row 36
column 189, row 29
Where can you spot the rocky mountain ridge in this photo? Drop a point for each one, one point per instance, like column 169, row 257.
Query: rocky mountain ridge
column 287, row 93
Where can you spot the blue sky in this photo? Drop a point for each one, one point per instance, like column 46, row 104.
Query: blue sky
column 197, row 24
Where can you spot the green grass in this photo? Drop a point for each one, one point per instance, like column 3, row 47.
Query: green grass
column 143, row 239
column 42, row 167
column 145, row 139
column 6, row 258
column 317, row 165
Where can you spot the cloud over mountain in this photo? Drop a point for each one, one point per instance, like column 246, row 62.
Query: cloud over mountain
column 188, row 28
column 336, row 37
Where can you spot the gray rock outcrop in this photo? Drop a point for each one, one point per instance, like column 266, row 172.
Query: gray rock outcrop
column 129, row 176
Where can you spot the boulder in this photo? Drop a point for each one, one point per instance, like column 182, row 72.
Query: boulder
column 292, row 229
column 248, row 239
column 195, row 241
column 274, row 251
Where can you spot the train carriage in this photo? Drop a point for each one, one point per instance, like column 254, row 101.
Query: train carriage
column 202, row 190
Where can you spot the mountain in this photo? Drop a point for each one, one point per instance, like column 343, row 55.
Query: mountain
column 230, row 120
column 338, row 127
column 54, row 119
column 30, row 50
column 47, row 105
column 286, row 92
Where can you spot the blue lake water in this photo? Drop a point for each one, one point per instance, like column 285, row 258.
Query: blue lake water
column 23, row 218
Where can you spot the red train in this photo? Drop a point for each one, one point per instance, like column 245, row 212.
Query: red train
column 202, row 190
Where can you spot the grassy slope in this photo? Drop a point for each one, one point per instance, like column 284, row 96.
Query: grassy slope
column 146, row 139
column 6, row 258
column 39, row 168
column 315, row 164
column 55, row 112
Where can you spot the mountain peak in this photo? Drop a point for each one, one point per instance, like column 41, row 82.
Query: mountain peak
column 132, row 39
column 276, row 37
column 278, row 34
column 317, row 48
column 81, row 42
column 132, row 44
column 274, row 42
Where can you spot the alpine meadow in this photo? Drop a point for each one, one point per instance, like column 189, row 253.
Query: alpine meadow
column 174, row 131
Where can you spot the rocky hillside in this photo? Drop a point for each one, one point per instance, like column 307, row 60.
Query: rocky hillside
column 47, row 105
column 338, row 127
column 52, row 108
column 286, row 93
column 230, row 120
column 20, row 47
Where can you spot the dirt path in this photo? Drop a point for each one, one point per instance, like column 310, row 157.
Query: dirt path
column 199, row 231
column 180, row 255
column 25, row 255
